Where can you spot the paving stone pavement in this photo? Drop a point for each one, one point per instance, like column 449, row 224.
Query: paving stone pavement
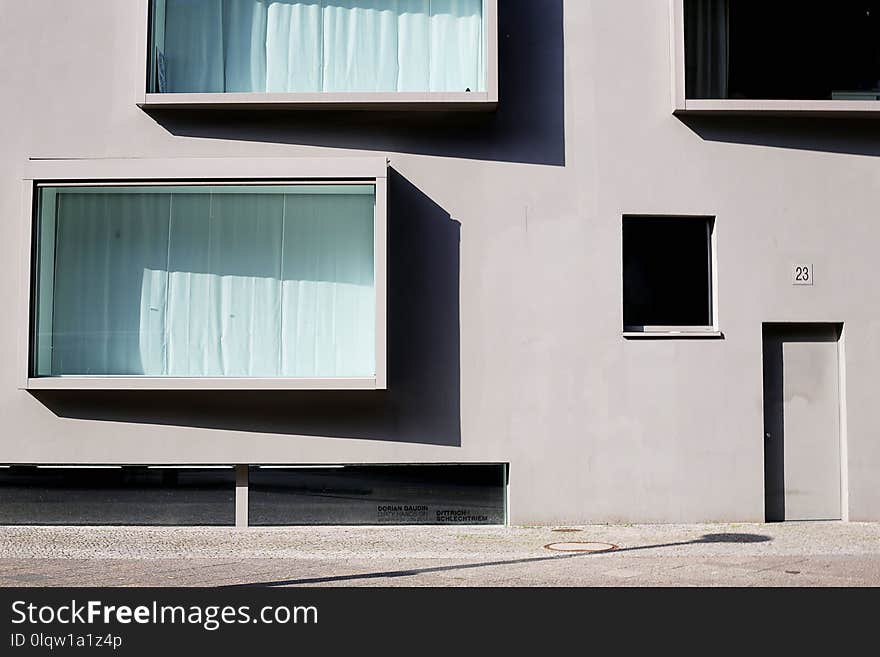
column 789, row 554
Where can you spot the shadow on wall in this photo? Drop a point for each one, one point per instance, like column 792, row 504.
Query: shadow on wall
column 774, row 424
column 527, row 127
column 856, row 136
column 422, row 403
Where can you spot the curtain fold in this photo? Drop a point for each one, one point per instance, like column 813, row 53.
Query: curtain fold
column 194, row 61
column 414, row 45
column 360, row 45
column 108, row 316
column 456, row 45
column 324, row 45
column 294, row 37
column 245, row 25
column 327, row 285
column 214, row 283
column 225, row 267
column 707, row 46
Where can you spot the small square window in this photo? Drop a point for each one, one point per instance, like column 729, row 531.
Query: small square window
column 668, row 274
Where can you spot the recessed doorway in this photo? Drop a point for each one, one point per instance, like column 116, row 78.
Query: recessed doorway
column 802, row 428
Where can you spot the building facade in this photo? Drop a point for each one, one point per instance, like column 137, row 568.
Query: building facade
column 464, row 262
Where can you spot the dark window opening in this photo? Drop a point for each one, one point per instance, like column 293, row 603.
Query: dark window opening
column 754, row 49
column 32, row 495
column 667, row 277
column 378, row 495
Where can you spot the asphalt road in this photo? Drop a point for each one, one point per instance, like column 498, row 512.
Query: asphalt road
column 795, row 554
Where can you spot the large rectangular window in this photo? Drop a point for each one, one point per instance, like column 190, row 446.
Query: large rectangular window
column 317, row 46
column 205, row 280
column 759, row 50
column 668, row 274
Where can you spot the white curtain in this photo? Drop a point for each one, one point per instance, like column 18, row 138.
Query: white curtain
column 324, row 45
column 294, row 37
column 327, row 286
column 214, row 283
column 108, row 315
column 224, row 305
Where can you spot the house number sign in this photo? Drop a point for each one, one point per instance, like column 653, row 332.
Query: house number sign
column 802, row 274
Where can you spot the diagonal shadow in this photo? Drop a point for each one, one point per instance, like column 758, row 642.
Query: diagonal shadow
column 422, row 403
column 708, row 538
column 528, row 125
column 829, row 134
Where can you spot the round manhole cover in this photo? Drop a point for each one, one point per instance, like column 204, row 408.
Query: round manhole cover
column 580, row 546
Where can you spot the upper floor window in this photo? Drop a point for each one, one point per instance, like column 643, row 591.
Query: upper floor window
column 748, row 51
column 320, row 47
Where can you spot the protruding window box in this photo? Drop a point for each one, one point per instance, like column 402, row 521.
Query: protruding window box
column 743, row 57
column 205, row 273
column 318, row 54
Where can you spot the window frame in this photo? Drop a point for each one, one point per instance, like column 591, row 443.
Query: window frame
column 687, row 332
column 96, row 172
column 681, row 105
column 388, row 100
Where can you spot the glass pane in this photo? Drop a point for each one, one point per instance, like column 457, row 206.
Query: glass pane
column 199, row 281
column 117, row 496
column 216, row 46
column 667, row 277
column 754, row 49
column 378, row 495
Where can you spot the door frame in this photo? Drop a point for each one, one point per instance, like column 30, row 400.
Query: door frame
column 841, row 406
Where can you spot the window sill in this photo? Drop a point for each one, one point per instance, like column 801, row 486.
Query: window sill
column 681, row 334
column 476, row 101
column 720, row 107
column 175, row 383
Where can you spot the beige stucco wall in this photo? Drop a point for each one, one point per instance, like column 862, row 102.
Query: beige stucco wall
column 505, row 295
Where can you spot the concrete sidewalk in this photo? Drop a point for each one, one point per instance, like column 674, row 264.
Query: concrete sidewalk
column 790, row 554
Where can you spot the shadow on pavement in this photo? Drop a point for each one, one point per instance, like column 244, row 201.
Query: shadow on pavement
column 708, row 538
